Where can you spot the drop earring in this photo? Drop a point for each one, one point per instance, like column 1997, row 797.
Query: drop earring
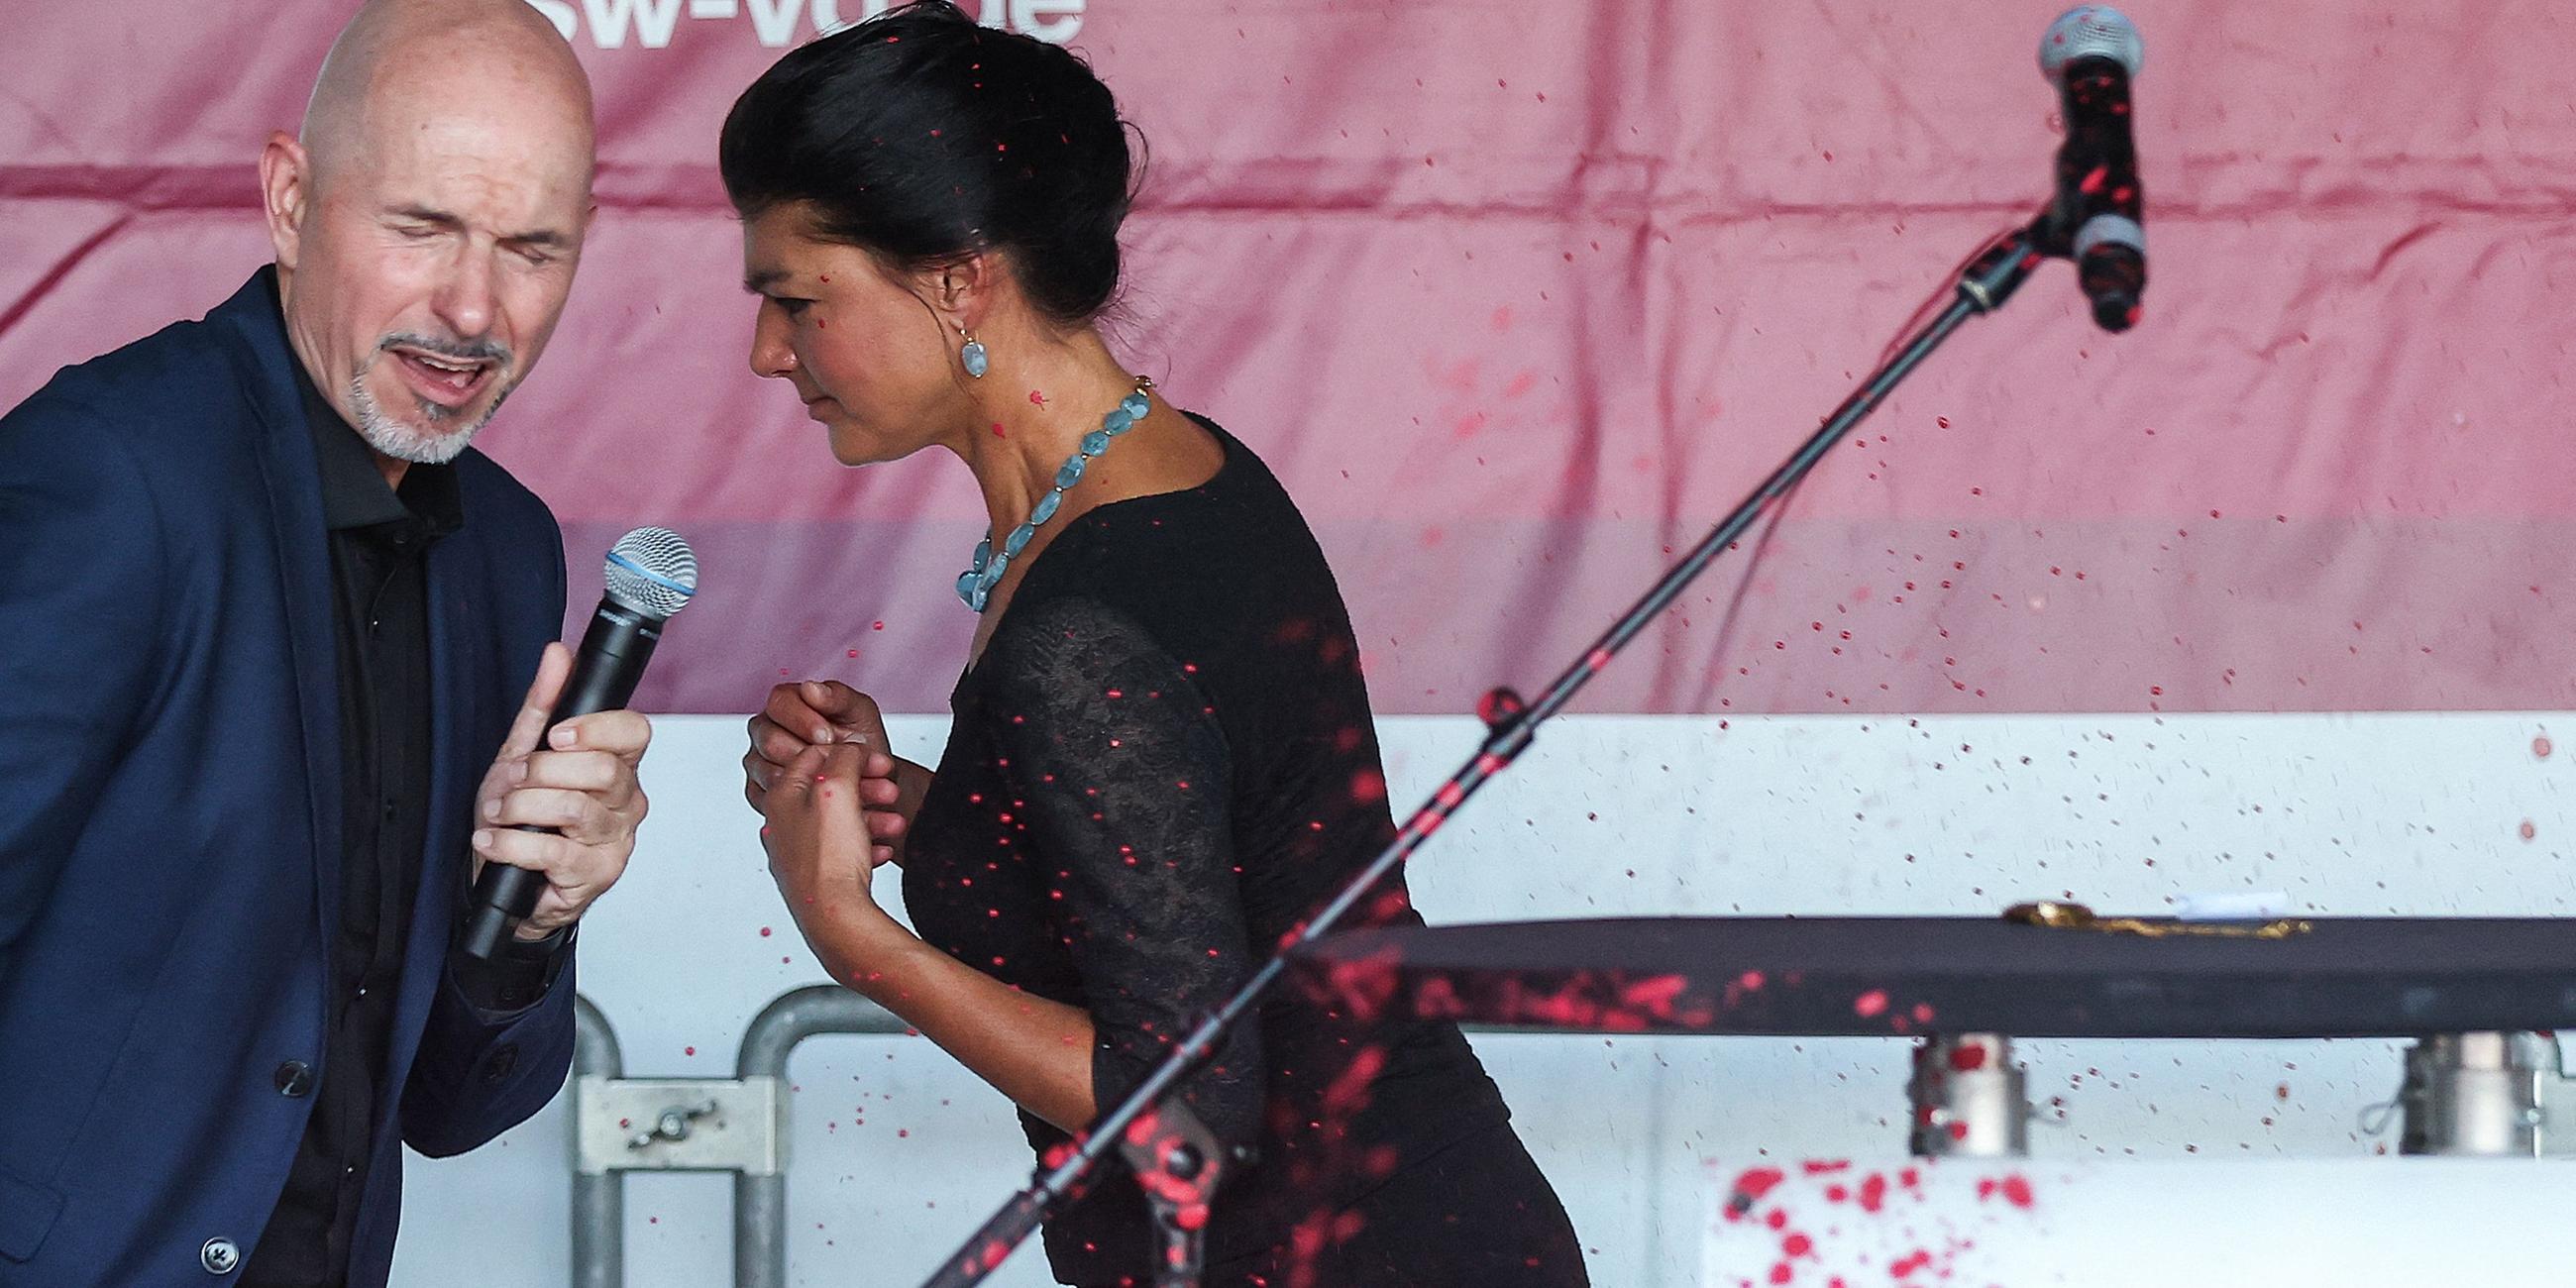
column 972, row 354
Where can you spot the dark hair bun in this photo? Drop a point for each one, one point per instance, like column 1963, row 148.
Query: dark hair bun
column 924, row 136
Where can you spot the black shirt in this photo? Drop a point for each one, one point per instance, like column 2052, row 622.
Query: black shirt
column 1164, row 761
column 380, row 541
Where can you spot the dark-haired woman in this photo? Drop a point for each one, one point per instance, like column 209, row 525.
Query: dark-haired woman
column 1161, row 756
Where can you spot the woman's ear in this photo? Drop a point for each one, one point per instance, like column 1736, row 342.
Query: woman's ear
column 964, row 291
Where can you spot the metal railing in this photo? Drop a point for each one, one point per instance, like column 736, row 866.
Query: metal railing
column 2494, row 1095
column 737, row 1125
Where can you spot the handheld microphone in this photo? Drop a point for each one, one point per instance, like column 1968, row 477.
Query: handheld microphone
column 2091, row 53
column 651, row 575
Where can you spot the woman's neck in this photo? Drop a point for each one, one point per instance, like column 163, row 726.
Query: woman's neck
column 1034, row 407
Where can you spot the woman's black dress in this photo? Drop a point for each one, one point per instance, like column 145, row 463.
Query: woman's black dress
column 1162, row 762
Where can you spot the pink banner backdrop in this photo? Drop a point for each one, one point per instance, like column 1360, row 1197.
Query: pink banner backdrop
column 1518, row 296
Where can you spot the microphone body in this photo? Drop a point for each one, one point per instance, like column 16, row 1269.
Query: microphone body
column 2098, row 216
column 651, row 574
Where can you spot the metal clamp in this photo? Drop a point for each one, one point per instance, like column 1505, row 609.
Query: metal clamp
column 680, row 1125
column 2487, row 1095
column 1968, row 1098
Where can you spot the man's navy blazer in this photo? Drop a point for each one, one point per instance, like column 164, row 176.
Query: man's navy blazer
column 170, row 787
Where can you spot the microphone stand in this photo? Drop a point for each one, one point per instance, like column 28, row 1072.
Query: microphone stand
column 1984, row 285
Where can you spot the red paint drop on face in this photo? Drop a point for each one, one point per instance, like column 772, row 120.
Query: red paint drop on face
column 2540, row 747
column 1871, row 1003
column 997, row 430
column 2017, row 1191
column 1037, row 399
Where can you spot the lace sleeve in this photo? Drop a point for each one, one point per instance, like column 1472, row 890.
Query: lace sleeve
column 1124, row 775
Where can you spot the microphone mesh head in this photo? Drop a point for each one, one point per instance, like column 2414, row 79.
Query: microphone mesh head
column 2090, row 31
column 653, row 572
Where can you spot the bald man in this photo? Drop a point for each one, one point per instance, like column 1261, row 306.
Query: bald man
column 265, row 618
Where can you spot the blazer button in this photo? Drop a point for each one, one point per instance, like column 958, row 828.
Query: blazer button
column 294, row 1079
column 503, row 1059
column 219, row 1257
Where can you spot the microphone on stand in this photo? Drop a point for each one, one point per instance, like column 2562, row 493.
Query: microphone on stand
column 651, row 575
column 2091, row 53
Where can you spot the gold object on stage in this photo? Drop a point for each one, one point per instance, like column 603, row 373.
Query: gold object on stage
column 2075, row 916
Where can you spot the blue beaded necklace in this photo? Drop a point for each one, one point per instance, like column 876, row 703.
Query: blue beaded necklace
column 975, row 585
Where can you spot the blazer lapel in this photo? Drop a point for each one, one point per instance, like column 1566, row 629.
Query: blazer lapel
column 294, row 483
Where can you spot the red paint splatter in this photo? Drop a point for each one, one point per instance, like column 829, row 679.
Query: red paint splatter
column 2528, row 831
column 1968, row 1058
column 689, row 1051
column 1752, row 1185
column 2540, row 747
column 2017, row 1191
column 1873, row 1192
column 1781, row 1273
column 1798, row 1245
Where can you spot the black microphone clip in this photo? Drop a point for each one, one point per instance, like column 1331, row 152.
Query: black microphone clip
column 2097, row 218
